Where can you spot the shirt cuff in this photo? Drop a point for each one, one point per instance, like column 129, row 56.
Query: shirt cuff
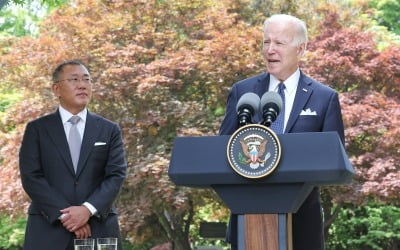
column 91, row 208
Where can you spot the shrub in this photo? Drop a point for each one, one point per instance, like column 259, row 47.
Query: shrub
column 12, row 232
column 372, row 226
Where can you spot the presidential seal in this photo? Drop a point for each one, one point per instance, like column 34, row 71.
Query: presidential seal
column 254, row 151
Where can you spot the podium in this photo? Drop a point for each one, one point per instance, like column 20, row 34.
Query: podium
column 307, row 160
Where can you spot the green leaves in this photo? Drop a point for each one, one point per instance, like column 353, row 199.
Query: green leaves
column 21, row 17
column 372, row 226
column 387, row 13
column 11, row 232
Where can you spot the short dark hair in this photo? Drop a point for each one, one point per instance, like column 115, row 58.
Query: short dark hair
column 60, row 67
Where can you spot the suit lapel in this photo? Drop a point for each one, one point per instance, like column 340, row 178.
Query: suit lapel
column 89, row 138
column 260, row 88
column 262, row 85
column 56, row 133
column 303, row 93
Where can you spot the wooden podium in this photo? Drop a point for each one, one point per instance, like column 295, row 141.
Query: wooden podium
column 264, row 205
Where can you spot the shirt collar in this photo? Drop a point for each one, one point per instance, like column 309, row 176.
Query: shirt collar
column 65, row 114
column 290, row 83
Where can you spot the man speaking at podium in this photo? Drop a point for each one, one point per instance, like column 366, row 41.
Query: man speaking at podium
column 308, row 106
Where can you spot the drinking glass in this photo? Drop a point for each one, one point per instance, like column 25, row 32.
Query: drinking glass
column 107, row 243
column 84, row 244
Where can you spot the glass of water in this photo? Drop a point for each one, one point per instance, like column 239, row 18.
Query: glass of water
column 84, row 244
column 107, row 243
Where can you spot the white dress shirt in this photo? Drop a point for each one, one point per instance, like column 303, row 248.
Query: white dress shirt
column 290, row 91
column 65, row 116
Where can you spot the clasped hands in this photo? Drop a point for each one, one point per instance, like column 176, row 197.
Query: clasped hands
column 75, row 219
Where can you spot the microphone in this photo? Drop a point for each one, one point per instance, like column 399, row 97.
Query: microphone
column 271, row 104
column 246, row 107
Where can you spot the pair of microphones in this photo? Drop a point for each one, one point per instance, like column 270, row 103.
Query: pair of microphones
column 249, row 104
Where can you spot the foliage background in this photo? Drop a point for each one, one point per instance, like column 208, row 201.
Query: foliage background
column 163, row 69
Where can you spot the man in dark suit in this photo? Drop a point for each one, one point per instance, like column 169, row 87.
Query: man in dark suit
column 309, row 107
column 72, row 185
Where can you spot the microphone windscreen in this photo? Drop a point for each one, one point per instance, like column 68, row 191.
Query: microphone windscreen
column 271, row 97
column 249, row 100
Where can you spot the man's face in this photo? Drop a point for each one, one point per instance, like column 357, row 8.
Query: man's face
column 281, row 55
column 73, row 88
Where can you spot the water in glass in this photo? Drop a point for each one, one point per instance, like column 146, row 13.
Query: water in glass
column 84, row 244
column 107, row 244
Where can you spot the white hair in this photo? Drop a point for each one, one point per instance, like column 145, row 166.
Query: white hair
column 301, row 28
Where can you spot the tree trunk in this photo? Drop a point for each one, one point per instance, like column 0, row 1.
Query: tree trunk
column 181, row 244
column 329, row 215
column 176, row 228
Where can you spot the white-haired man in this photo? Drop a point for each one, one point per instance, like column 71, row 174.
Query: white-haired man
column 284, row 44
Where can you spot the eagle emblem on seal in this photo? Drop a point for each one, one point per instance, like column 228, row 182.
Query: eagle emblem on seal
column 253, row 148
column 253, row 151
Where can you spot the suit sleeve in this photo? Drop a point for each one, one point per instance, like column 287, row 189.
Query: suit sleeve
column 333, row 119
column 230, row 121
column 45, row 198
column 105, row 194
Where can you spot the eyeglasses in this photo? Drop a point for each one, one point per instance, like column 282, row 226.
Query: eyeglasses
column 76, row 80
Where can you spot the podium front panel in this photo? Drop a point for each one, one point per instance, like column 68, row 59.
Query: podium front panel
column 264, row 198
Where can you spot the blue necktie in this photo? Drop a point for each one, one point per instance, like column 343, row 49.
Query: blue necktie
column 279, row 123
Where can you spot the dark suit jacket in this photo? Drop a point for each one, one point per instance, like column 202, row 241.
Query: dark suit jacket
column 49, row 179
column 310, row 94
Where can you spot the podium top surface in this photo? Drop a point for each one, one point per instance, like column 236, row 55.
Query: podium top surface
column 314, row 158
